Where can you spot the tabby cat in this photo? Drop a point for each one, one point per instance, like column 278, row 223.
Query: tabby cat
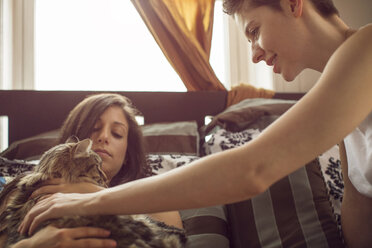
column 76, row 162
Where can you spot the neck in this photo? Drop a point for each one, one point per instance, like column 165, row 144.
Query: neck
column 325, row 36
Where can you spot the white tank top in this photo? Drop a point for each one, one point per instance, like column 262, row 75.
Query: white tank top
column 358, row 146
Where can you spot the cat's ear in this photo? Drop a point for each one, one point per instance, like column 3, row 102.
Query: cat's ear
column 83, row 148
column 72, row 139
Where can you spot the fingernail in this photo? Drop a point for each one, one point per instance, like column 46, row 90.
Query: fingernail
column 112, row 243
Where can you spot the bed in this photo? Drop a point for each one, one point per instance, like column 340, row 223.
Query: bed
column 301, row 210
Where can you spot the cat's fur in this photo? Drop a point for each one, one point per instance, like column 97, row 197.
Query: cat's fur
column 76, row 162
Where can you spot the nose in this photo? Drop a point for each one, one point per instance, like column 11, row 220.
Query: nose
column 258, row 53
column 103, row 136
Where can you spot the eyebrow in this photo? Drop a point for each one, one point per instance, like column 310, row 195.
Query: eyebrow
column 121, row 124
column 116, row 123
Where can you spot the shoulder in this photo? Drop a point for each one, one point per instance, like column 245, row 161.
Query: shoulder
column 367, row 29
column 360, row 40
column 364, row 34
column 355, row 54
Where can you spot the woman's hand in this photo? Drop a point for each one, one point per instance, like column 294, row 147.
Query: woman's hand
column 51, row 236
column 54, row 206
column 58, row 185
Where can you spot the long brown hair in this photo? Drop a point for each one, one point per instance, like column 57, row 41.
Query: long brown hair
column 325, row 7
column 80, row 123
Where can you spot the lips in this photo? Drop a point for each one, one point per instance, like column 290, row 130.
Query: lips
column 102, row 152
column 271, row 61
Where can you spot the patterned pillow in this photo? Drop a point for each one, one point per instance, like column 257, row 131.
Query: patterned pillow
column 9, row 169
column 205, row 227
column 293, row 212
column 166, row 162
column 331, row 168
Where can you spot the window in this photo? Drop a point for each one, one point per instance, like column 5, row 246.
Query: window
column 105, row 45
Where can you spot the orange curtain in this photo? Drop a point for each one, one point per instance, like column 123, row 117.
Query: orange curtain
column 183, row 30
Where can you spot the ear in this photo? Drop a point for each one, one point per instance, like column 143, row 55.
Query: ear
column 72, row 139
column 83, row 148
column 296, row 7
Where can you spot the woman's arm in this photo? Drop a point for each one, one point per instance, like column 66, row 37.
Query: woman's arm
column 309, row 128
column 58, row 185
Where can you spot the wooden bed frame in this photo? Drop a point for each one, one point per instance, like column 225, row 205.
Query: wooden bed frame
column 32, row 112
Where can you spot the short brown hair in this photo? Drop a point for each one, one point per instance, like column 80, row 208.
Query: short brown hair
column 231, row 7
column 80, row 123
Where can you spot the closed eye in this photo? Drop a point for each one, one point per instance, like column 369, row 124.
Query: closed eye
column 252, row 34
column 116, row 135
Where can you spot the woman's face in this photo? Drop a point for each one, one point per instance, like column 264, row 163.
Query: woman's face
column 110, row 139
column 275, row 36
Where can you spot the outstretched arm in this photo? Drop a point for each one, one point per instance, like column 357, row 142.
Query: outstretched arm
column 58, row 185
column 309, row 128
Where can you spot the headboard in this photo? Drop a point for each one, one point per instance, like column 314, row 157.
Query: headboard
column 32, row 112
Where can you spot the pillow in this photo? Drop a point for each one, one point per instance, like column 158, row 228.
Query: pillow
column 251, row 113
column 172, row 138
column 161, row 138
column 31, row 148
column 294, row 212
column 166, row 162
column 223, row 140
column 205, row 227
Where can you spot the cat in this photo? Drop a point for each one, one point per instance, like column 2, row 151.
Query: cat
column 77, row 162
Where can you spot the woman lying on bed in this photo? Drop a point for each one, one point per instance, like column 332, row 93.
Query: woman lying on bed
column 290, row 35
column 109, row 120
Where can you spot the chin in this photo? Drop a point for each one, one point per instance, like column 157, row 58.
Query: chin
column 289, row 76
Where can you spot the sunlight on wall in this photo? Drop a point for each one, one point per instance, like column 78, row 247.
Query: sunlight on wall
column 98, row 45
column 263, row 75
column 218, row 49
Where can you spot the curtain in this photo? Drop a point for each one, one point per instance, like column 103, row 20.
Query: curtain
column 183, row 30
